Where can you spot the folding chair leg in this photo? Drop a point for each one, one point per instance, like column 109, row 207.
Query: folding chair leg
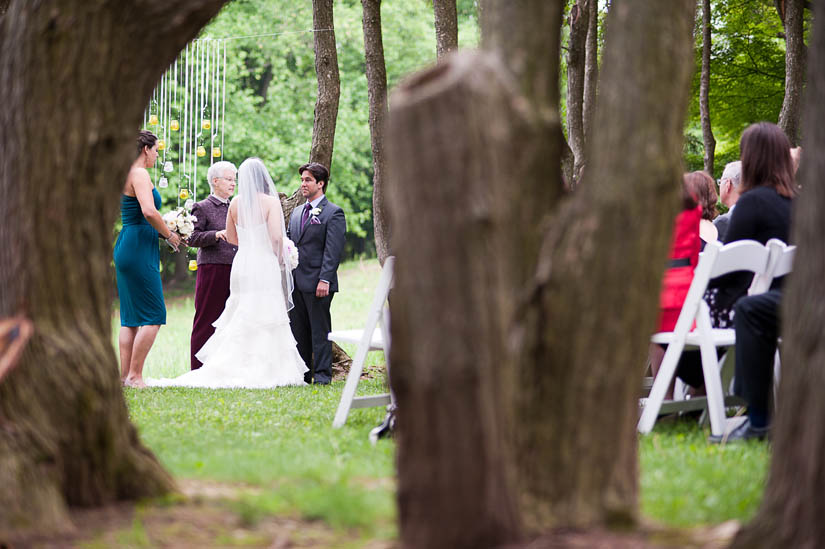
column 710, row 370
column 660, row 384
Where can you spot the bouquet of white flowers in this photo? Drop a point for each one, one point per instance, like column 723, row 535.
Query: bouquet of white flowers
column 291, row 259
column 181, row 221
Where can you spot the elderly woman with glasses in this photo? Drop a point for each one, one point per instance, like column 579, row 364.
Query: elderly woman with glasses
column 215, row 254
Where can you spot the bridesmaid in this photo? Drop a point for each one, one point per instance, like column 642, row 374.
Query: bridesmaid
column 142, row 310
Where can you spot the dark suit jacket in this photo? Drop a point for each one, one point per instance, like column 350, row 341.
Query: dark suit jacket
column 320, row 245
column 211, row 214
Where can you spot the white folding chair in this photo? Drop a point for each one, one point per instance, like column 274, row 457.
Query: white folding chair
column 716, row 260
column 779, row 264
column 374, row 337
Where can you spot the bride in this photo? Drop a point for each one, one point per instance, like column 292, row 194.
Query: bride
column 252, row 345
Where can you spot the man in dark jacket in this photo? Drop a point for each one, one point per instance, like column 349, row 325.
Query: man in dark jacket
column 317, row 228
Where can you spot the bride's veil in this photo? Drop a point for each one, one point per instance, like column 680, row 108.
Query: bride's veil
column 254, row 184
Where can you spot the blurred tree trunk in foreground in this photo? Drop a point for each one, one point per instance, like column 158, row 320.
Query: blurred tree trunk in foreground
column 376, row 72
column 75, row 77
column 516, row 373
column 793, row 505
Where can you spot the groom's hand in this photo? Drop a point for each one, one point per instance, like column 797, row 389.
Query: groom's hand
column 322, row 290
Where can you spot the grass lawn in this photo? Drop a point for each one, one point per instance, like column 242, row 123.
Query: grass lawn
column 273, row 455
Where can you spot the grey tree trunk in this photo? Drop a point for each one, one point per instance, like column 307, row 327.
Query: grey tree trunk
column 591, row 68
column 576, row 55
column 518, row 406
column 793, row 507
column 377, row 92
column 789, row 116
column 329, row 87
column 704, row 90
column 446, row 27
column 65, row 435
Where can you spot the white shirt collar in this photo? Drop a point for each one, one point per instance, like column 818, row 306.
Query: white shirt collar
column 224, row 200
column 317, row 201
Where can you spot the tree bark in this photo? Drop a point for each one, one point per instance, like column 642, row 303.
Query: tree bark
column 704, row 90
column 789, row 116
column 591, row 68
column 329, row 86
column 575, row 356
column 71, row 108
column 793, row 507
column 450, row 124
column 376, row 71
column 576, row 54
column 446, row 27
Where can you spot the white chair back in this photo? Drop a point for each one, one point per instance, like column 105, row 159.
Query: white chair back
column 780, row 263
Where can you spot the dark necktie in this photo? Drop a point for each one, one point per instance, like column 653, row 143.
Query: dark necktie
column 305, row 216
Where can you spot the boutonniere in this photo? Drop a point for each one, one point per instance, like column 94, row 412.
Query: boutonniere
column 315, row 211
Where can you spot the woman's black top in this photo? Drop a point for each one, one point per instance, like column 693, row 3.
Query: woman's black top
column 760, row 214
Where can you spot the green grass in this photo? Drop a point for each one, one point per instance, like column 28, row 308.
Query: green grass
column 686, row 481
column 279, row 447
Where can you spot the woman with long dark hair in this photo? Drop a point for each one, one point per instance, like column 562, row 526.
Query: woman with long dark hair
column 762, row 212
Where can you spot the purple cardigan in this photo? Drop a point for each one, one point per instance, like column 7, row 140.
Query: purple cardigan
column 211, row 214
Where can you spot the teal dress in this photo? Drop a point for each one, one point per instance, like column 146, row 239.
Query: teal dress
column 137, row 263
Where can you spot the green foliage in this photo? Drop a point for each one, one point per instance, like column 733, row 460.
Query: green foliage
column 747, row 76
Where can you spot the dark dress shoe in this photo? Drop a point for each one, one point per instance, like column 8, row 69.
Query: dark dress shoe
column 321, row 382
column 745, row 431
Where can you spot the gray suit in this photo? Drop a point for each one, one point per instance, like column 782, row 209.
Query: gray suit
column 320, row 245
column 721, row 223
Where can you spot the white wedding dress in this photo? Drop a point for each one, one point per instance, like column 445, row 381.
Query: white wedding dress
column 252, row 346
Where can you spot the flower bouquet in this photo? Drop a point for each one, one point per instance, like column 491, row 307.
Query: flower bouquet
column 181, row 221
column 291, row 259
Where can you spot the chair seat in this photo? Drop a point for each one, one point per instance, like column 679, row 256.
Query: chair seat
column 721, row 338
column 355, row 336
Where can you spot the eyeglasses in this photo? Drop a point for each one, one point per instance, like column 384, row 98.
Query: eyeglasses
column 230, row 179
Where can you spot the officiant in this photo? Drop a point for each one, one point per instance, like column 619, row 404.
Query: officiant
column 215, row 254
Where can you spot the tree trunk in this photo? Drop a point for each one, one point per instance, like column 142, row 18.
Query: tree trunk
column 65, row 435
column 329, row 88
column 377, row 89
column 576, row 53
column 704, row 90
column 446, row 27
column 789, row 116
column 450, row 124
column 577, row 466
column 793, row 506
column 591, row 68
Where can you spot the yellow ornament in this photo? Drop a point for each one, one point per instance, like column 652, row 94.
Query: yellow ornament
column 201, row 151
column 161, row 144
column 206, row 124
column 216, row 152
column 174, row 125
column 193, row 265
column 153, row 120
column 184, row 194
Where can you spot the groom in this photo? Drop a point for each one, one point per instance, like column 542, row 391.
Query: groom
column 317, row 228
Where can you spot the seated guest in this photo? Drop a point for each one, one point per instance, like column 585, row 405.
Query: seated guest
column 705, row 189
column 762, row 212
column 729, row 191
column 684, row 255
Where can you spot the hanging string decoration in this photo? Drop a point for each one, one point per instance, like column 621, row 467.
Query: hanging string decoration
column 187, row 113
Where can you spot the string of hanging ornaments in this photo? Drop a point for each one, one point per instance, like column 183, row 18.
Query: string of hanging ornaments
column 187, row 113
